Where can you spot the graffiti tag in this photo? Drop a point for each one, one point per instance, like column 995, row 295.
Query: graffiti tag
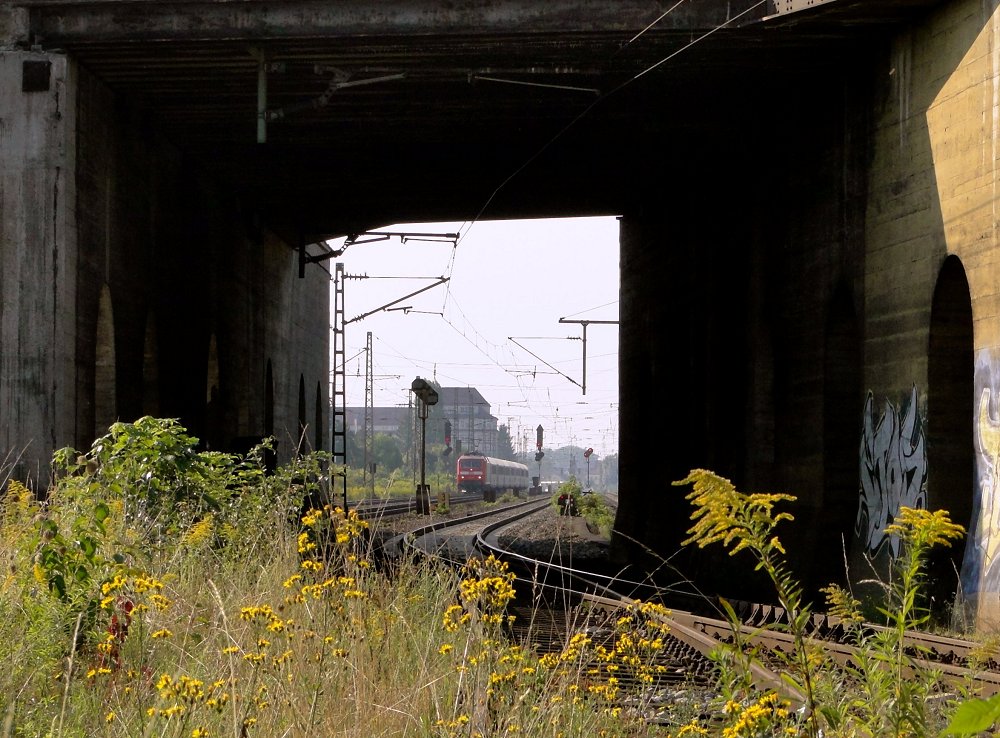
column 893, row 472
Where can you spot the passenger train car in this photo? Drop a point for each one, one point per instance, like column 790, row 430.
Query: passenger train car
column 476, row 472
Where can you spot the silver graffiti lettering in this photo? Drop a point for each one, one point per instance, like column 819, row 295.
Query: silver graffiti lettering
column 893, row 472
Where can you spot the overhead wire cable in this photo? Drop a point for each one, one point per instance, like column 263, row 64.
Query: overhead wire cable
column 467, row 226
column 663, row 15
column 598, row 101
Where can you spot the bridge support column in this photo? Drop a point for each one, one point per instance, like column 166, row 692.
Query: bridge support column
column 37, row 261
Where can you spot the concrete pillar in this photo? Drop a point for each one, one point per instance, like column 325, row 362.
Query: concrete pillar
column 932, row 285
column 37, row 261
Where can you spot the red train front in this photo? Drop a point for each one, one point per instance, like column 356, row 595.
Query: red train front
column 479, row 473
column 470, row 474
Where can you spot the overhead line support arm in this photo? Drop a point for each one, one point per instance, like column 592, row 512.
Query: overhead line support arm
column 585, row 323
column 441, row 280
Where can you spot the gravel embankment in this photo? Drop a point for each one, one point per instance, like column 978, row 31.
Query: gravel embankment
column 538, row 535
column 535, row 536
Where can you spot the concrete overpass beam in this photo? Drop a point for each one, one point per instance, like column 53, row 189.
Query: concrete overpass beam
column 13, row 27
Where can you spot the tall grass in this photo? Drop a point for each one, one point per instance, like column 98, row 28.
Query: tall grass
column 162, row 591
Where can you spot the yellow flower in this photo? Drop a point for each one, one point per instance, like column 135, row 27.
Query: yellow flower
column 200, row 531
column 691, row 728
column 453, row 617
column 161, row 633
column 925, row 528
column 160, row 602
column 311, row 518
column 115, row 584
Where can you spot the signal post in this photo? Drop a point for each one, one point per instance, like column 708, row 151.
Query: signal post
column 427, row 396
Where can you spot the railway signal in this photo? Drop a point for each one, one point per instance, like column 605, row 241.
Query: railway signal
column 427, row 396
column 447, row 438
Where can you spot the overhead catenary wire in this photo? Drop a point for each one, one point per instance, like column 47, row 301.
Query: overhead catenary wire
column 468, row 225
column 586, row 111
column 467, row 330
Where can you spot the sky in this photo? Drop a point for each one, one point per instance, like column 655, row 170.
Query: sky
column 495, row 324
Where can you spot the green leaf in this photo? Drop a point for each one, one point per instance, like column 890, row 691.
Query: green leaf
column 89, row 547
column 974, row 716
column 832, row 716
column 49, row 558
column 58, row 585
column 101, row 511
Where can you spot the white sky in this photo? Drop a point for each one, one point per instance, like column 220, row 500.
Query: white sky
column 508, row 280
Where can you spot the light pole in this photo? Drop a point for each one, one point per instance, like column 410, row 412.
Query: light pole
column 426, row 395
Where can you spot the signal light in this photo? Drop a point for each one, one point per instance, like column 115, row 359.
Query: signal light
column 447, row 433
column 539, row 455
column 538, row 437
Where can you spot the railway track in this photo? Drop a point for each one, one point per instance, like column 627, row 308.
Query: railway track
column 378, row 508
column 556, row 600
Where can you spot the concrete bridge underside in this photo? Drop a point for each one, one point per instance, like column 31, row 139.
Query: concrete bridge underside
column 810, row 289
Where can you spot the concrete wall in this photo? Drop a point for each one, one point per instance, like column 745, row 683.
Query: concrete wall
column 934, row 187
column 38, row 260
column 133, row 285
column 856, row 363
column 742, row 279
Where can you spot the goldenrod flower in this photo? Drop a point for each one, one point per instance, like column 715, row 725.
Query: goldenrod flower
column 925, row 528
column 200, row 532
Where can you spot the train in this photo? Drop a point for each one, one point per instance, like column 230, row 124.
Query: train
column 476, row 472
